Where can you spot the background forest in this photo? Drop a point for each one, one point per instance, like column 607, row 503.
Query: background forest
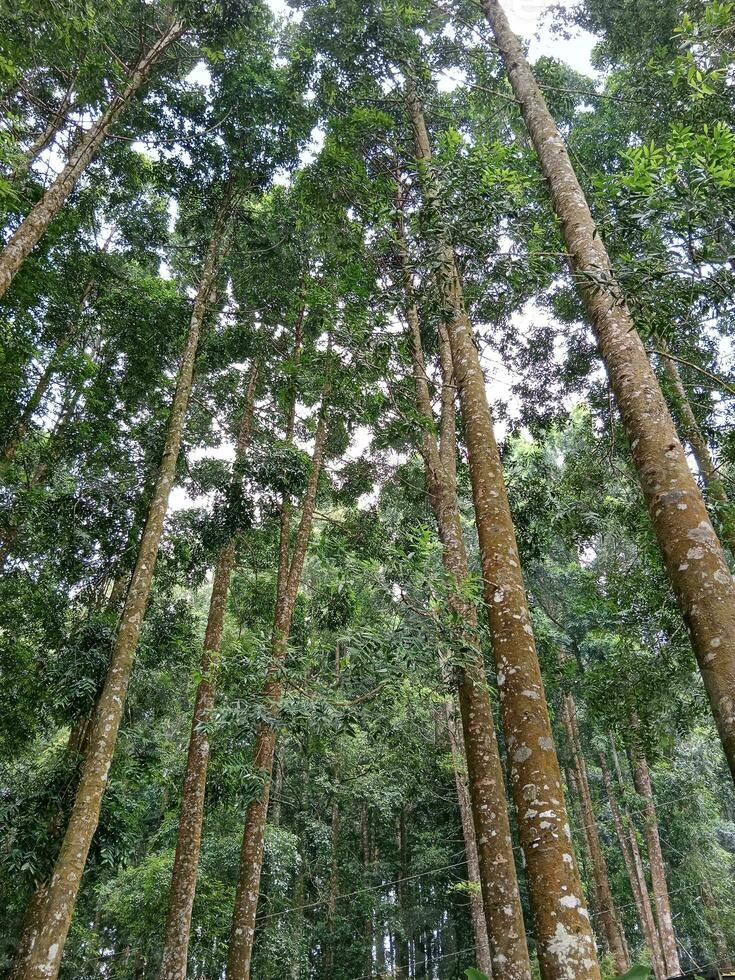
column 301, row 674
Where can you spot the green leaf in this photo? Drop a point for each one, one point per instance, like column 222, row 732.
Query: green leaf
column 472, row 973
column 636, row 972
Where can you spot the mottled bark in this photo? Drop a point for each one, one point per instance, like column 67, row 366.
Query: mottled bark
column 693, row 435
column 30, row 929
column 32, row 228
column 188, row 845
column 634, row 868
column 251, row 854
column 642, row 782
column 691, row 551
column 84, row 817
column 501, row 900
column 565, row 942
column 606, row 906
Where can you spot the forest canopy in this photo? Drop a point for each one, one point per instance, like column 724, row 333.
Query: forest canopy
column 367, row 482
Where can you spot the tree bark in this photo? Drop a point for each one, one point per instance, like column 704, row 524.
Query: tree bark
column 47, row 135
column 693, row 435
column 607, row 912
column 565, row 941
column 691, row 551
column 494, row 847
column 34, row 225
column 188, row 845
column 251, row 854
column 642, row 782
column 637, row 880
column 84, row 818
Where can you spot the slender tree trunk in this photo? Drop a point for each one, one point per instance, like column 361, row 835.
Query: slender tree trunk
column 48, row 134
column 504, row 928
column 635, row 876
column 565, row 940
column 477, row 911
column 693, row 435
column 34, row 225
column 84, row 817
column 251, row 854
column 642, row 782
column 691, row 551
column 607, row 912
column 186, row 861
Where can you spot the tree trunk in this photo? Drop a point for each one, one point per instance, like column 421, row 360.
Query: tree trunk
column 607, row 913
column 635, row 876
column 84, row 817
column 691, row 551
column 367, row 928
column 477, row 911
column 32, row 922
column 32, row 228
column 642, row 782
column 692, row 434
column 186, row 861
column 47, row 135
column 565, row 941
column 494, row 846
column 251, row 855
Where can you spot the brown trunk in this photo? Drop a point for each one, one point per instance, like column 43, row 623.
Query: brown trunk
column 32, row 922
column 692, row 434
column 251, row 854
column 565, row 941
column 606, row 907
column 501, row 899
column 84, row 817
column 693, row 556
column 635, row 876
column 186, row 861
column 46, row 136
column 724, row 960
column 32, row 228
column 477, row 911
column 642, row 782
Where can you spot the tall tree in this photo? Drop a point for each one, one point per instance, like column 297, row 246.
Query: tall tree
column 566, row 944
column 46, row 956
column 691, row 551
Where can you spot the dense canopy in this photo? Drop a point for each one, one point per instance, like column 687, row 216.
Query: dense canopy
column 367, row 461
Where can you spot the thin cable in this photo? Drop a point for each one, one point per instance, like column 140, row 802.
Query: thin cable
column 360, row 891
column 397, row 969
